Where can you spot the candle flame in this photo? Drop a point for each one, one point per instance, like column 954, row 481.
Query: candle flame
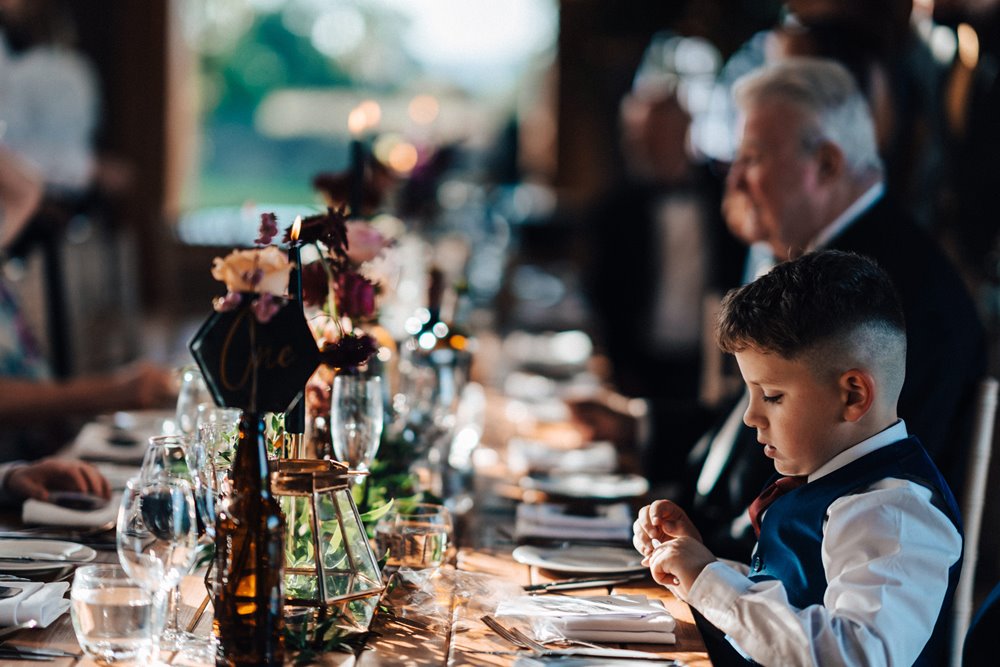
column 296, row 228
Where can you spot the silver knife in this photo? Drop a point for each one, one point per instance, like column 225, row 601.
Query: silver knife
column 584, row 582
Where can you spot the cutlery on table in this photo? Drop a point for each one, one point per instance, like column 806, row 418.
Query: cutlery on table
column 578, row 583
column 20, row 626
column 41, row 558
column 521, row 640
column 51, row 652
column 28, row 657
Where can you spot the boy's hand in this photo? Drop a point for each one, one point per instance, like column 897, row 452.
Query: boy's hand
column 658, row 523
column 36, row 480
column 678, row 563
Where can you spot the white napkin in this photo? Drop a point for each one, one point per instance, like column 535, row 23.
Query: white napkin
column 549, row 520
column 526, row 455
column 40, row 602
column 605, row 618
column 48, row 514
column 92, row 442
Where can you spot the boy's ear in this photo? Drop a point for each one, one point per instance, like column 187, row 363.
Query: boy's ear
column 857, row 390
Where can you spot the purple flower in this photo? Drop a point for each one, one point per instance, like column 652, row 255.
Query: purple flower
column 224, row 304
column 268, row 228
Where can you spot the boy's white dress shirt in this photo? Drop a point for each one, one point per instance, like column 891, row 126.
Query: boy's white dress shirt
column 886, row 553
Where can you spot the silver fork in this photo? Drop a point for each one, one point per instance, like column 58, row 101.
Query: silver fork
column 504, row 632
column 521, row 640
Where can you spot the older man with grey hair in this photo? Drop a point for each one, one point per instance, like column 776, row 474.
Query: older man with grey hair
column 807, row 176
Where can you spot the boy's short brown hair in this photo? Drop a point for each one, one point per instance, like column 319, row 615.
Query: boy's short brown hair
column 820, row 297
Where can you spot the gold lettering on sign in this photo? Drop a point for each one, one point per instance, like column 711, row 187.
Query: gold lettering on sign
column 264, row 356
column 224, row 355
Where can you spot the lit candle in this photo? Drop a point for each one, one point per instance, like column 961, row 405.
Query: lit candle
column 295, row 417
column 357, row 122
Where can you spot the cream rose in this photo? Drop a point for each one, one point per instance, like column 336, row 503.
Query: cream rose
column 264, row 271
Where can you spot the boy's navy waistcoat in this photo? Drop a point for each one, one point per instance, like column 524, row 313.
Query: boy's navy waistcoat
column 791, row 532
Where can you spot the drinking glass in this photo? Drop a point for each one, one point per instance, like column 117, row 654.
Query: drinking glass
column 356, row 418
column 157, row 537
column 193, row 392
column 112, row 615
column 217, row 431
column 177, row 457
column 416, row 535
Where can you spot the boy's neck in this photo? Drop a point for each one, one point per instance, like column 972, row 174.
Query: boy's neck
column 862, row 436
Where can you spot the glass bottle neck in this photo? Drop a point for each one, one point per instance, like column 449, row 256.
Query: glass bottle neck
column 250, row 466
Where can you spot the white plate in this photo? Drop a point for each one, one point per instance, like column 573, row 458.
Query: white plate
column 73, row 552
column 589, row 485
column 582, row 559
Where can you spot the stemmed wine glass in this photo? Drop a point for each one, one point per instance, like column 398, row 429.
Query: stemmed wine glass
column 157, row 536
column 356, row 418
column 177, row 457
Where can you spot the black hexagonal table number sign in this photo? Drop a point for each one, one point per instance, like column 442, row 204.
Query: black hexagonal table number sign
column 230, row 344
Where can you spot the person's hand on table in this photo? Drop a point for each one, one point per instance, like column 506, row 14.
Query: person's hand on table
column 36, row 480
column 607, row 415
column 142, row 386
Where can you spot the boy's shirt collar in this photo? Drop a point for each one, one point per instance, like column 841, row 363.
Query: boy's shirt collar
column 883, row 438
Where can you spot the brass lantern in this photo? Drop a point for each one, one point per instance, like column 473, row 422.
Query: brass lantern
column 329, row 565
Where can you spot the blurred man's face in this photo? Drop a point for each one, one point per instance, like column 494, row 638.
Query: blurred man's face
column 776, row 181
column 654, row 137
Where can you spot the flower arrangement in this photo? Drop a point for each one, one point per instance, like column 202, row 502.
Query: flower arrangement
column 337, row 286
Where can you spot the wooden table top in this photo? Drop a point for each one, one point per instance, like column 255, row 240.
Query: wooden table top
column 463, row 640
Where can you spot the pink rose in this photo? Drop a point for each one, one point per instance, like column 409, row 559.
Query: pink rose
column 364, row 242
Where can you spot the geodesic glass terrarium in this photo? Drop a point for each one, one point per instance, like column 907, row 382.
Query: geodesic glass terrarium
column 329, row 565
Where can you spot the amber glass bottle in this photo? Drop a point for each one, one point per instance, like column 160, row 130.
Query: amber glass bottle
column 249, row 587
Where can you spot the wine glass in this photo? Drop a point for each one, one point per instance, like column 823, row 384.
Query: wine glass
column 193, row 392
column 177, row 457
column 217, row 431
column 356, row 418
column 157, row 536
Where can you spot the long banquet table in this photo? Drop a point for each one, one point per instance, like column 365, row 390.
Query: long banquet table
column 463, row 641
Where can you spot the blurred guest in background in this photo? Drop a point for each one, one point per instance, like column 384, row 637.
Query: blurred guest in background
column 31, row 403
column 969, row 222
column 656, row 248
column 49, row 108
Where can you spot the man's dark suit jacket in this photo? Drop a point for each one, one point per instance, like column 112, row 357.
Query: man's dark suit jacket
column 945, row 359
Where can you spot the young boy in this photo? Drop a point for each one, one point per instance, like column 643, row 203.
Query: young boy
column 860, row 547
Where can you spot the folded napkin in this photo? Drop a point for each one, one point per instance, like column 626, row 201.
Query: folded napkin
column 102, row 442
column 605, row 618
column 40, row 602
column 48, row 514
column 536, row 456
column 552, row 521
column 121, row 437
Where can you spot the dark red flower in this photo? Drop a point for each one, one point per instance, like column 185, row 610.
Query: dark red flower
column 350, row 351
column 329, row 228
column 355, row 295
column 315, row 285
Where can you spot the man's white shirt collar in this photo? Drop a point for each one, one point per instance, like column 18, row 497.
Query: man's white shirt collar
column 850, row 214
column 883, row 438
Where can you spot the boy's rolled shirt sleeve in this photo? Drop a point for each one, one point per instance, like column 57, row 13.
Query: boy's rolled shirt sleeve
column 886, row 553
